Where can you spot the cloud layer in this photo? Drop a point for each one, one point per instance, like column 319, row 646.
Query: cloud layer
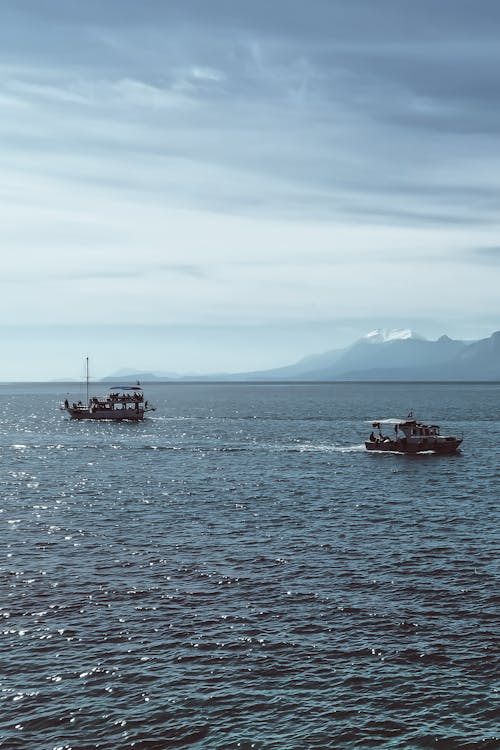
column 210, row 163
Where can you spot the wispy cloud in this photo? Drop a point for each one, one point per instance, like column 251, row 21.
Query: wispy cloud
column 250, row 160
column 488, row 255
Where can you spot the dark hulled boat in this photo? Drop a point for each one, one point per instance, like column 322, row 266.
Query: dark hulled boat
column 123, row 403
column 411, row 436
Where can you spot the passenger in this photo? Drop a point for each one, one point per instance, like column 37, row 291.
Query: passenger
column 373, row 439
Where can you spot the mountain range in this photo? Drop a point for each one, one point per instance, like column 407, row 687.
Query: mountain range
column 396, row 355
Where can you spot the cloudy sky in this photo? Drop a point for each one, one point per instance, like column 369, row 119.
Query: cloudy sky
column 205, row 186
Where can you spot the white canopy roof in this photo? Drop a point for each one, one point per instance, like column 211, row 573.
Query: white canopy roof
column 390, row 420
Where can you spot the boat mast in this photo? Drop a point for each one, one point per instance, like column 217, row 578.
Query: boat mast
column 87, row 379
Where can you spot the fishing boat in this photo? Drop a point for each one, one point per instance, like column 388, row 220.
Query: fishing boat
column 411, row 436
column 122, row 403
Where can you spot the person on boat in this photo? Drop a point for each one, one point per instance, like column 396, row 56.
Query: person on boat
column 66, row 403
column 373, row 439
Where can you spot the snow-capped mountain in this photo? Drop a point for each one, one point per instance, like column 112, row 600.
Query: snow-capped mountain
column 381, row 355
column 382, row 335
column 395, row 355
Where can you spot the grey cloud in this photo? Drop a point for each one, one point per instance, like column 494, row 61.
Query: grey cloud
column 191, row 270
column 402, row 18
column 488, row 255
column 109, row 274
column 327, row 109
column 96, row 275
column 78, row 276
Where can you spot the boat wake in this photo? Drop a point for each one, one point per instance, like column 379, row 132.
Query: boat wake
column 325, row 448
column 254, row 446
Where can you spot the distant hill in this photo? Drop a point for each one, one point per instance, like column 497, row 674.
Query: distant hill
column 480, row 360
column 392, row 355
column 132, row 376
column 392, row 358
column 380, row 355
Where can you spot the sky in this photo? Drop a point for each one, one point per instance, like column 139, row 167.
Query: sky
column 192, row 186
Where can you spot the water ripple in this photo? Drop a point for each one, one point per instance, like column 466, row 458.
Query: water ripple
column 238, row 572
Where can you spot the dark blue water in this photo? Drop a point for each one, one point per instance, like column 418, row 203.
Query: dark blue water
column 237, row 572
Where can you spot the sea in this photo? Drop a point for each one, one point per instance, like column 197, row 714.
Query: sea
column 238, row 572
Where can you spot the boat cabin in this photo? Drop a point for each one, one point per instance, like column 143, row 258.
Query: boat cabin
column 410, row 428
column 416, row 429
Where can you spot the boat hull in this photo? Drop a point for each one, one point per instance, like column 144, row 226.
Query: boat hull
column 110, row 415
column 442, row 447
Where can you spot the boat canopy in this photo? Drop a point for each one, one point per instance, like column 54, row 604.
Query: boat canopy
column 390, row 420
column 126, row 388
